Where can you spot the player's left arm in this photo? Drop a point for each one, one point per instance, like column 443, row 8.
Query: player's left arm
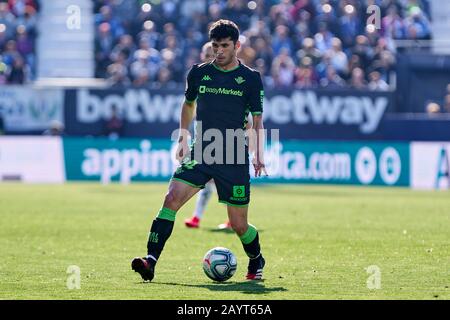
column 256, row 100
column 259, row 143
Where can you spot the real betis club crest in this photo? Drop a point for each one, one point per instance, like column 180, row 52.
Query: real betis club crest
column 239, row 80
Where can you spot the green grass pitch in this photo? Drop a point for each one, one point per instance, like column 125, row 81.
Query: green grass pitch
column 318, row 242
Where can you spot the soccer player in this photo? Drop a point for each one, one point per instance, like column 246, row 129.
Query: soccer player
column 207, row 55
column 225, row 91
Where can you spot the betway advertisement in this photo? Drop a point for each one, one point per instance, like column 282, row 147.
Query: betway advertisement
column 430, row 165
column 28, row 109
column 128, row 160
column 299, row 114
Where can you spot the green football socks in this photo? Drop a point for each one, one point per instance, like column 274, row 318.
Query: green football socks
column 250, row 242
column 159, row 233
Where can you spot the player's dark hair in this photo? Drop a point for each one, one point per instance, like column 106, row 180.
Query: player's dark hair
column 223, row 29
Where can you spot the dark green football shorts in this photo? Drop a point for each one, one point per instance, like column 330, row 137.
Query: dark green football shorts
column 232, row 181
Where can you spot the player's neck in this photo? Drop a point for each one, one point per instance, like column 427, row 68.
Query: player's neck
column 232, row 65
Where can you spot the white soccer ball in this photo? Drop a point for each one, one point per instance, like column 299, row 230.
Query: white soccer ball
column 219, row 264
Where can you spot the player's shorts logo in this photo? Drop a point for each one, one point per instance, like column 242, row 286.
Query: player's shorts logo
column 238, row 191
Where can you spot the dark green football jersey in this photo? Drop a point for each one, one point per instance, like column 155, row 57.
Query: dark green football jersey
column 224, row 98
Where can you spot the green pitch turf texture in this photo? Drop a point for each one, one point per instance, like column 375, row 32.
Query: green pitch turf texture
column 318, row 242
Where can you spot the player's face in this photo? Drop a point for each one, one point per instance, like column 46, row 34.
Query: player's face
column 224, row 51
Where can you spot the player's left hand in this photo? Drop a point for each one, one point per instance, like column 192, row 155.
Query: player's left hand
column 259, row 168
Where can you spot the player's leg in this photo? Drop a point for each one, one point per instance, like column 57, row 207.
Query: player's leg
column 202, row 200
column 179, row 193
column 248, row 234
column 233, row 188
column 186, row 182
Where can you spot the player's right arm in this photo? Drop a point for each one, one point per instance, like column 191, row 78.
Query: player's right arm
column 187, row 115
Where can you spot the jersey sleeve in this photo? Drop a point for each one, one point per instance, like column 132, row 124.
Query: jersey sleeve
column 256, row 98
column 191, row 86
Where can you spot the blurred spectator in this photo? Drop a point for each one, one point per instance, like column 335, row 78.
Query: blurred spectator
column 350, row 25
column 308, row 50
column 393, row 25
column 305, row 74
column 19, row 71
column 140, row 69
column 263, row 51
column 7, row 20
column 2, row 125
column 433, row 109
column 106, row 16
column 338, row 58
column 3, row 72
column 103, row 46
column 56, row 129
column 281, row 40
column 323, row 38
column 125, row 47
column 417, row 24
column 117, row 73
column 165, row 78
column 364, row 51
column 446, row 107
column 247, row 55
column 332, row 79
column 283, row 69
column 149, row 34
column 114, row 125
column 261, row 66
column 357, row 80
column 376, row 83
column 207, row 53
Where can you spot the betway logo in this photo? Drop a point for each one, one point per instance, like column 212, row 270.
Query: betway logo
column 134, row 105
column 302, row 107
column 307, row 108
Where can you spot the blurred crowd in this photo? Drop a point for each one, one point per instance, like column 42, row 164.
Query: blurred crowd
column 301, row 43
column 18, row 32
column 437, row 107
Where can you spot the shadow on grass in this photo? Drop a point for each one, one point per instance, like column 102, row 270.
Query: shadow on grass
column 227, row 231
column 250, row 287
column 298, row 192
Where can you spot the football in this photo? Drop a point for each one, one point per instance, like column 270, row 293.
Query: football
column 219, row 264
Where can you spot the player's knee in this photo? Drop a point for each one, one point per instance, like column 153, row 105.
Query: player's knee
column 171, row 201
column 240, row 227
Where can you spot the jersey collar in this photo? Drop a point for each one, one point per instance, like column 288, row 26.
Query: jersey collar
column 222, row 70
